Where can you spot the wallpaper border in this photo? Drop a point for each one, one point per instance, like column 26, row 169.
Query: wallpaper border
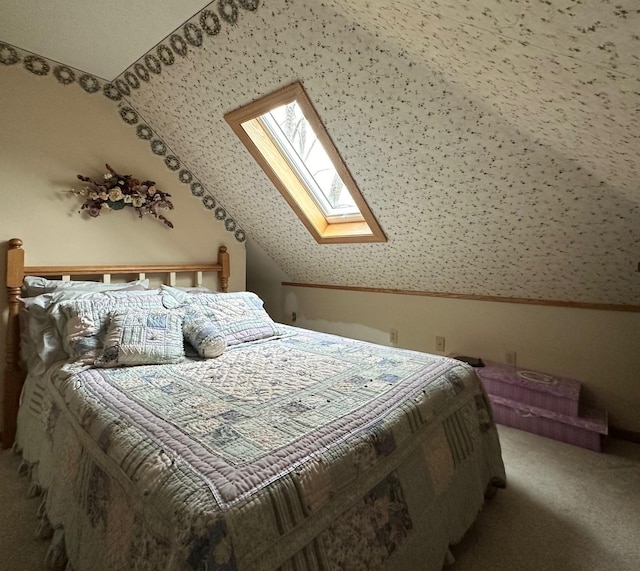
column 193, row 35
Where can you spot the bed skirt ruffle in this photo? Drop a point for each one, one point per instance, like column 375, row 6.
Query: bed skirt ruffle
column 56, row 556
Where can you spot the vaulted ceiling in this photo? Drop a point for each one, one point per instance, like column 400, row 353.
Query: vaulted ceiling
column 496, row 142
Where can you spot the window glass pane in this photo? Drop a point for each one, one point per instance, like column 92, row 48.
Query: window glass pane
column 297, row 139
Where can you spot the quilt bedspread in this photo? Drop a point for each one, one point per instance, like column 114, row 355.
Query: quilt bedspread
column 305, row 452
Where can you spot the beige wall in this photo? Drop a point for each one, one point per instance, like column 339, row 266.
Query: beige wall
column 600, row 348
column 264, row 277
column 48, row 134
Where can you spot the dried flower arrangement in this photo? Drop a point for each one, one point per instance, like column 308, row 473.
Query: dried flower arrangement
column 117, row 191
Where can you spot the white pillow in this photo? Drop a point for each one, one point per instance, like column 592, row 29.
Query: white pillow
column 36, row 285
column 177, row 296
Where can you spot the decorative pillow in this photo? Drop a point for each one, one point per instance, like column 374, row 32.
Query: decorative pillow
column 203, row 334
column 87, row 320
column 35, row 285
column 143, row 337
column 238, row 316
column 46, row 324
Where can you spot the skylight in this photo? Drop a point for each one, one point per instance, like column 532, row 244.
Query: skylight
column 286, row 137
column 296, row 138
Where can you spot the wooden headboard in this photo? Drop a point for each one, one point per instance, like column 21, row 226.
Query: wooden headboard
column 14, row 374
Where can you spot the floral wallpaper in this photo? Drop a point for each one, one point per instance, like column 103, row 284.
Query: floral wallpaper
column 565, row 73
column 496, row 143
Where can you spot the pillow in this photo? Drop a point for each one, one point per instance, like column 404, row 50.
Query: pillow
column 238, row 316
column 203, row 334
column 35, row 285
column 28, row 352
column 142, row 337
column 192, row 289
column 40, row 342
column 86, row 320
column 177, row 296
column 45, row 324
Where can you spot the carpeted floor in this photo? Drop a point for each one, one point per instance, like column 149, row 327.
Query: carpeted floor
column 20, row 549
column 565, row 509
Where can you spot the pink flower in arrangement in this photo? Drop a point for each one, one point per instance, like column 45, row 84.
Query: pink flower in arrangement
column 116, row 191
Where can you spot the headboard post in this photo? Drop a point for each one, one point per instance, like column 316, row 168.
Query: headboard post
column 13, row 374
column 223, row 260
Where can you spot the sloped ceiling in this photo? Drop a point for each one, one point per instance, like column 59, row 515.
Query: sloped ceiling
column 100, row 38
column 564, row 73
column 497, row 143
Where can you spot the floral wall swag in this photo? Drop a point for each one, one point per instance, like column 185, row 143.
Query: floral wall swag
column 116, row 191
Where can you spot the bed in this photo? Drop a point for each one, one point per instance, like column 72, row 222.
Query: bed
column 264, row 447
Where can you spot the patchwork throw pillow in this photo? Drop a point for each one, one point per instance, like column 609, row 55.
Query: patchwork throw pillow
column 145, row 337
column 86, row 320
column 46, row 325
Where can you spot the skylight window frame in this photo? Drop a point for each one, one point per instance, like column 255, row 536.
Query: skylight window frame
column 247, row 125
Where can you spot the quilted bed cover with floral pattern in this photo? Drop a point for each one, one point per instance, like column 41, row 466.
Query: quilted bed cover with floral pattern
column 308, row 451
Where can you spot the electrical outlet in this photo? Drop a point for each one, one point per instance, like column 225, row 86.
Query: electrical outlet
column 510, row 358
column 393, row 336
column 440, row 344
column 294, row 317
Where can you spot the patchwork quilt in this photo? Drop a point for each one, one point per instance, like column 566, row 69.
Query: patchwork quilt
column 307, row 451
